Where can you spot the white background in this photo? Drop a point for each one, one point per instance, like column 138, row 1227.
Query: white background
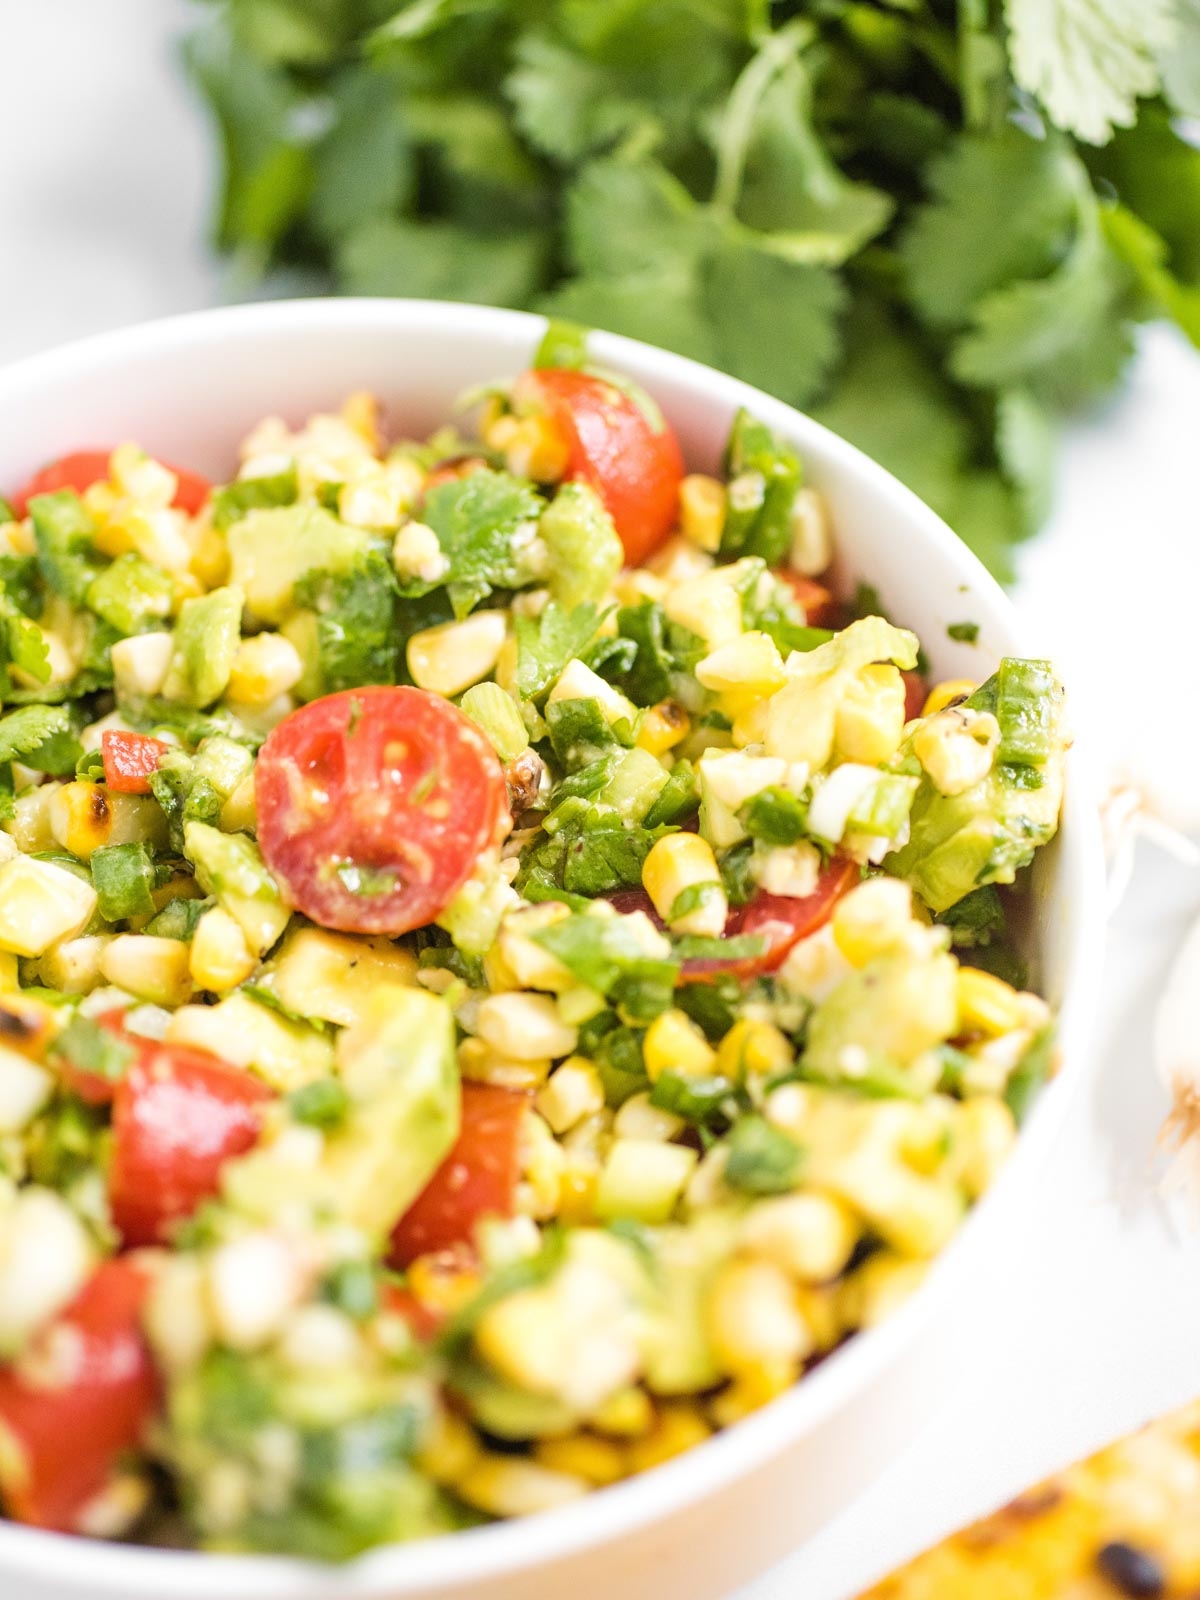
column 1093, row 1321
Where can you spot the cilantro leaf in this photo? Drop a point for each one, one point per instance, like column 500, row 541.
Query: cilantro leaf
column 23, row 731
column 1088, row 61
column 546, row 643
column 476, row 519
column 357, row 641
column 393, row 256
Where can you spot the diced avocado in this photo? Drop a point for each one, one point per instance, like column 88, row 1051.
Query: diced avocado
column 885, row 1015
column 223, row 762
column 636, row 781
column 506, row 1411
column 231, row 866
column 585, row 552
column 678, row 1358
column 399, row 1069
column 332, row 976
column 207, row 635
column 271, row 550
column 131, row 594
column 989, row 832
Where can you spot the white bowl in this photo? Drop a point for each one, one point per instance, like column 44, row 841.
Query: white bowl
column 189, row 389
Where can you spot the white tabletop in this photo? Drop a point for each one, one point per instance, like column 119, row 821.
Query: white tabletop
column 1093, row 1321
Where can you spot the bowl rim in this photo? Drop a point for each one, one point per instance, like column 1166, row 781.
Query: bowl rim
column 603, row 1516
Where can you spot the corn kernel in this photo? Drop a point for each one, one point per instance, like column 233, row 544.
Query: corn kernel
column 80, row 818
column 753, row 1048
column 210, row 557
column 985, row 1131
column 573, row 1093
column 709, row 605
column 956, row 747
column 481, row 1064
column 526, row 1027
column 536, row 447
column 663, row 727
column 746, row 669
column 219, row 957
column 360, row 411
column 638, row 1119
column 160, row 536
column 41, row 904
column 74, row 965
column 10, row 976
column 752, row 1317
column 417, row 553
column 680, row 1427
column 30, row 823
column 141, row 664
column 454, row 655
column 879, row 1287
column 153, row 969
column 507, row 1486
column 132, row 472
column 811, row 1236
column 443, row 1282
column 598, row 1461
column 942, row 694
column 577, row 681
column 264, row 667
column 449, row 1449
column 875, row 917
column 679, row 863
column 812, row 542
column 628, row 1414
column 238, row 814
column 986, row 1004
column 869, row 722
column 702, row 510
column 751, row 1390
column 673, row 1043
column 577, row 1190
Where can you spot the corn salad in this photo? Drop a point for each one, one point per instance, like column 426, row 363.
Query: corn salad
column 501, row 970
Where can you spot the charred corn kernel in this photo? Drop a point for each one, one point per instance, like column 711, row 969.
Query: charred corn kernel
column 880, row 1286
column 682, row 868
column 752, row 1316
column 702, row 510
column 598, row 1461
column 869, row 723
column 449, row 1449
column 811, row 1236
column 673, row 1043
column 986, row 1004
column 876, row 916
column 628, row 1414
column 709, row 606
column 238, row 814
column 812, row 542
column 753, row 1049
column 27, row 1025
column 442, row 1282
column 141, row 664
column 219, row 957
column 536, row 447
column 984, row 1134
column 956, row 747
column 507, row 1486
column 679, row 1427
column 942, row 694
column 526, row 1027
column 663, row 727
column 638, row 1119
column 153, row 969
column 41, row 904
column 481, row 1064
column 573, row 1092
column 264, row 667
column 73, row 967
column 751, row 1390
column 81, row 818
column 453, row 656
column 746, row 669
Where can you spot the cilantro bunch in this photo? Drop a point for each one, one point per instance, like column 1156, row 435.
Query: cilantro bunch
column 932, row 223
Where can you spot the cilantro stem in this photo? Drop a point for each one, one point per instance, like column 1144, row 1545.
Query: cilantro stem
column 737, row 125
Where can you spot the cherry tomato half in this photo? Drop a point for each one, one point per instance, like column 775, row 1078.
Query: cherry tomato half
column 778, row 919
column 178, row 1115
column 478, row 1178
column 82, row 468
column 634, row 465
column 129, row 760
column 374, row 806
column 68, row 1437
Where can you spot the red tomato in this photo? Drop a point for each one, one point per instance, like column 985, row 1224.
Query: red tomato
column 916, row 691
column 71, row 1435
column 478, row 1178
column 178, row 1115
column 779, row 919
column 814, row 599
column 129, row 760
column 374, row 806
column 634, row 466
column 83, row 468
column 422, row 1319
